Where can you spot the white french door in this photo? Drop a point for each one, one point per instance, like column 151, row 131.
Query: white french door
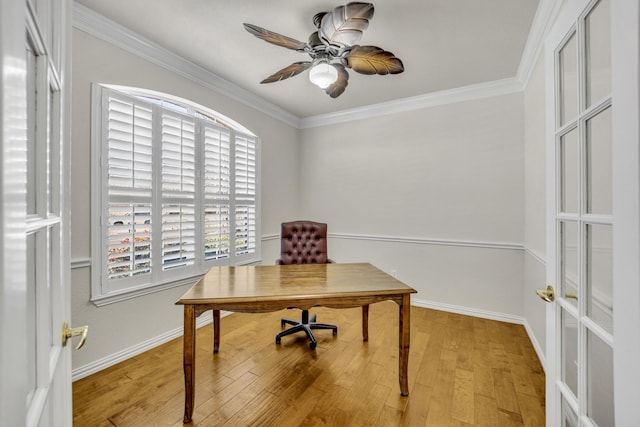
column 36, row 365
column 587, row 189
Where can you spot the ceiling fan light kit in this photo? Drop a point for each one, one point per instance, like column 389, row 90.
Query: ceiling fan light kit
column 333, row 48
column 323, row 75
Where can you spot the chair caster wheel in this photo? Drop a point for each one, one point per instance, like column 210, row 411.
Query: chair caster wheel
column 277, row 340
column 312, row 346
column 335, row 332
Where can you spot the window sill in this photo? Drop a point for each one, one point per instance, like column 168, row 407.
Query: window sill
column 127, row 294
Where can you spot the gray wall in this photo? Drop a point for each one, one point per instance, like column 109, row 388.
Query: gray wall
column 435, row 195
column 445, row 197
column 535, row 205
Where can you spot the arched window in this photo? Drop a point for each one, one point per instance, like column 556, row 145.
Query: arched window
column 175, row 191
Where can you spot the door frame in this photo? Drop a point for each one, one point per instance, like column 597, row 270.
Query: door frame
column 13, row 208
column 625, row 25
column 625, row 15
column 52, row 403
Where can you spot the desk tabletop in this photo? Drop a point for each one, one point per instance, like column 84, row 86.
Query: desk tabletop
column 295, row 282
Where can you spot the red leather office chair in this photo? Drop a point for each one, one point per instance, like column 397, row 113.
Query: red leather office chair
column 303, row 242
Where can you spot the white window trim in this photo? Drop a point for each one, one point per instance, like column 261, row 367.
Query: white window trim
column 101, row 294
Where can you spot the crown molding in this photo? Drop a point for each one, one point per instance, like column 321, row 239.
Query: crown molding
column 545, row 16
column 451, row 96
column 91, row 22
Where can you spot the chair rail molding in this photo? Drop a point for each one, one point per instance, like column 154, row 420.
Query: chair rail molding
column 535, row 255
column 86, row 262
column 80, row 263
column 430, row 241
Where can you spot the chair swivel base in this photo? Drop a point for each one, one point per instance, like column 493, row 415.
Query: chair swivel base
column 305, row 325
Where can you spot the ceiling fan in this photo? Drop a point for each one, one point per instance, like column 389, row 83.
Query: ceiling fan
column 333, row 48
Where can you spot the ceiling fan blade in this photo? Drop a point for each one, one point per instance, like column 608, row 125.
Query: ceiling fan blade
column 343, row 27
column 290, row 71
column 373, row 60
column 336, row 89
column 275, row 38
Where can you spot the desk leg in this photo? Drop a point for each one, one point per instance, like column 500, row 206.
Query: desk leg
column 365, row 323
column 216, row 330
column 189, row 354
column 404, row 333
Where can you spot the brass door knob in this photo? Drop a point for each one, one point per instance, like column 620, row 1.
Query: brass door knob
column 67, row 333
column 546, row 294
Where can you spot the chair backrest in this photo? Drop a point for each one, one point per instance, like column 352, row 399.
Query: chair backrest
column 303, row 242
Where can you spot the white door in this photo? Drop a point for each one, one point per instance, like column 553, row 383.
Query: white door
column 589, row 184
column 35, row 270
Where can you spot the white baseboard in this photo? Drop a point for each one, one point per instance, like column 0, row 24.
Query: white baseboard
column 122, row 355
column 207, row 318
column 536, row 345
column 468, row 311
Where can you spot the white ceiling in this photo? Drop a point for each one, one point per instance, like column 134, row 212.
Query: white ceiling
column 444, row 44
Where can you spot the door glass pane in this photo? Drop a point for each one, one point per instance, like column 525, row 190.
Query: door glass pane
column 569, row 418
column 49, row 254
column 569, row 172
column 53, row 155
column 569, row 351
column 599, row 163
column 570, row 262
column 32, row 366
column 600, row 381
column 31, row 129
column 568, row 79
column 598, row 52
column 600, row 275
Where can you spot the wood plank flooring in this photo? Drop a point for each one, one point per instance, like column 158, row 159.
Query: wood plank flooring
column 463, row 371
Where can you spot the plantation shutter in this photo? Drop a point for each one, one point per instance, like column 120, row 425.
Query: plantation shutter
column 178, row 191
column 129, row 173
column 217, row 192
column 245, row 189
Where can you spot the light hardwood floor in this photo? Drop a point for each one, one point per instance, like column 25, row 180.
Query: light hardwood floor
column 463, row 371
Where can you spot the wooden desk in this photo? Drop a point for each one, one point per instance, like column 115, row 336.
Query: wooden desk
column 271, row 288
